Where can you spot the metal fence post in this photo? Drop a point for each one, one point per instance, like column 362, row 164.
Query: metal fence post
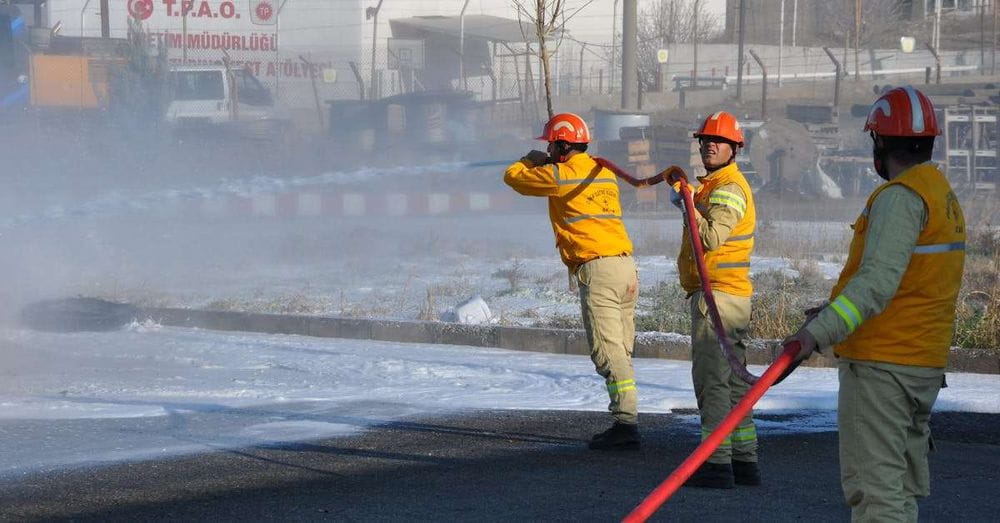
column 836, row 77
column 763, row 93
column 937, row 61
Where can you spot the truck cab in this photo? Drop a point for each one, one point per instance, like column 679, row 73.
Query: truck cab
column 220, row 96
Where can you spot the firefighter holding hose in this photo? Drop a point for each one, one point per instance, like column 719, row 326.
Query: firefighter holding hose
column 586, row 216
column 726, row 218
column 891, row 314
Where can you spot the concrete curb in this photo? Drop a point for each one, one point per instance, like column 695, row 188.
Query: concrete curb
column 552, row 341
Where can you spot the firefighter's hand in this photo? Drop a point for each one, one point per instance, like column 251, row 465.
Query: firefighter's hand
column 674, row 174
column 535, row 158
column 676, row 198
column 807, row 343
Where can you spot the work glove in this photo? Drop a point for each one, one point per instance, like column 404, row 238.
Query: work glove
column 807, row 342
column 807, row 345
column 676, row 198
column 535, row 158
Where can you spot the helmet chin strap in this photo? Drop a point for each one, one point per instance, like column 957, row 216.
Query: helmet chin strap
column 561, row 150
column 879, row 159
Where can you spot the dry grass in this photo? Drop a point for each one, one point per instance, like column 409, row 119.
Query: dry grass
column 286, row 304
column 779, row 299
column 977, row 317
column 667, row 310
column 515, row 274
column 428, row 309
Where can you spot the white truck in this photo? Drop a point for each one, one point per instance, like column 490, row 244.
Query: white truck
column 211, row 97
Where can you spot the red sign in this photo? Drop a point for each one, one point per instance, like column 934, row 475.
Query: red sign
column 140, row 9
column 264, row 11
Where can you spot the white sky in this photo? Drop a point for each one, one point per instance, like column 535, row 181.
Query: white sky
column 149, row 391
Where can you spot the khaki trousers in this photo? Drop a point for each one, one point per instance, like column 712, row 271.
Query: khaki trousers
column 883, row 414
column 717, row 388
column 609, row 288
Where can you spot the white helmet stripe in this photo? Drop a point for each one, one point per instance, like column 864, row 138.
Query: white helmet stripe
column 917, row 110
column 564, row 125
column 880, row 104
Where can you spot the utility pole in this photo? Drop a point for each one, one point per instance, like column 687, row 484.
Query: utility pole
column 781, row 38
column 372, row 13
column 694, row 36
column 105, row 20
column 857, row 38
column 937, row 25
column 461, row 46
column 982, row 36
column 614, row 48
column 993, row 52
column 795, row 19
column 739, row 59
column 630, row 71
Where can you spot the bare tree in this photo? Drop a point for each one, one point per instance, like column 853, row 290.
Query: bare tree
column 545, row 18
column 880, row 22
column 666, row 22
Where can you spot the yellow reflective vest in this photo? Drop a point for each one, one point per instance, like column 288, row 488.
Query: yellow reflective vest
column 916, row 327
column 728, row 265
column 584, row 206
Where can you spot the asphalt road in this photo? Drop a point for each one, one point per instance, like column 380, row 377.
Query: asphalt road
column 495, row 466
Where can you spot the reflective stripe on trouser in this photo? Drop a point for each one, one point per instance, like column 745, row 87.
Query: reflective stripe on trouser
column 716, row 387
column 609, row 288
column 883, row 417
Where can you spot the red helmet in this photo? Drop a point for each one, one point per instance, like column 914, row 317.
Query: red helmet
column 903, row 111
column 566, row 127
column 723, row 125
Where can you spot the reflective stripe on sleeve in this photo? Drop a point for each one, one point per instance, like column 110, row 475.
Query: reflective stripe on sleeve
column 847, row 312
column 729, row 199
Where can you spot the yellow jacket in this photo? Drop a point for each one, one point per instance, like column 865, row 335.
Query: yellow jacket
column 584, row 206
column 723, row 198
column 917, row 325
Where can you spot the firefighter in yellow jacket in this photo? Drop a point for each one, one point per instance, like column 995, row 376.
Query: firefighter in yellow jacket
column 726, row 217
column 586, row 216
column 891, row 315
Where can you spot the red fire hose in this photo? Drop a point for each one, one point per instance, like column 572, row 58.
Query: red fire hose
column 632, row 180
column 662, row 493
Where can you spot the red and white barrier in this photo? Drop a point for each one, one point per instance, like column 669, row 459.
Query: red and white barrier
column 314, row 204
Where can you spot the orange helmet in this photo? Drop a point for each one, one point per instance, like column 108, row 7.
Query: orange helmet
column 904, row 112
column 723, row 125
column 566, row 127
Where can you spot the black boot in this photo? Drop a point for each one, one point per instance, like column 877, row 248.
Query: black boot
column 621, row 436
column 746, row 473
column 712, row 475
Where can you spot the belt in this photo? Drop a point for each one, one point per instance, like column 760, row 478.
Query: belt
column 576, row 267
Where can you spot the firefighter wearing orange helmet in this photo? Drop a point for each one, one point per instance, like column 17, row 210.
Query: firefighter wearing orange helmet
column 586, row 216
column 891, row 314
column 726, row 217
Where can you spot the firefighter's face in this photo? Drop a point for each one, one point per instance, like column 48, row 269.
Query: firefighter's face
column 715, row 152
